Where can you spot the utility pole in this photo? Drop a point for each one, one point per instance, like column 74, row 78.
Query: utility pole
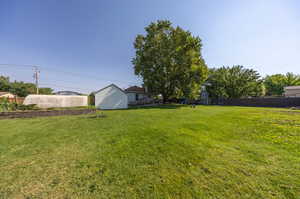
column 36, row 77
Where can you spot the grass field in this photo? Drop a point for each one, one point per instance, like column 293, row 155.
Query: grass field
column 166, row 152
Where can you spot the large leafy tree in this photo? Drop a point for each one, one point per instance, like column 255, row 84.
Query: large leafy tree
column 234, row 82
column 275, row 83
column 169, row 61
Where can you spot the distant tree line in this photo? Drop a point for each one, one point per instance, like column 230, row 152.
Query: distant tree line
column 275, row 83
column 238, row 82
column 19, row 88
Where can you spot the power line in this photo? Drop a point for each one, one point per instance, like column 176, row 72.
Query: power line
column 56, row 81
column 21, row 68
column 69, row 73
column 87, row 75
column 36, row 76
column 18, row 65
column 46, row 84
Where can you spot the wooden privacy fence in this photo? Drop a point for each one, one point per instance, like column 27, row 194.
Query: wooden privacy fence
column 264, row 102
column 18, row 100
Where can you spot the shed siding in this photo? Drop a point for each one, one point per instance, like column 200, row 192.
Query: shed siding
column 111, row 98
column 52, row 101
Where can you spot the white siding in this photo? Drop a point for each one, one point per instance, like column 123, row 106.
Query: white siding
column 292, row 91
column 142, row 96
column 111, row 98
column 131, row 97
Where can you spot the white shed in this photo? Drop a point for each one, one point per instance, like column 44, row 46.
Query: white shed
column 53, row 101
column 111, row 97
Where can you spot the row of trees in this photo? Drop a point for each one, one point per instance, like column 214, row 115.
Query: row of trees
column 237, row 82
column 234, row 82
column 20, row 88
column 275, row 83
column 170, row 63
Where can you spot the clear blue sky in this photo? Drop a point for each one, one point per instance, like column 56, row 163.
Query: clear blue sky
column 94, row 37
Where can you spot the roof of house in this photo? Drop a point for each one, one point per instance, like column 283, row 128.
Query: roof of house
column 4, row 93
column 135, row 89
column 108, row 87
column 292, row 87
column 67, row 93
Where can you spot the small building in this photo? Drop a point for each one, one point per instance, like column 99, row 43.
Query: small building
column 55, row 101
column 111, row 97
column 292, row 91
column 137, row 95
column 7, row 95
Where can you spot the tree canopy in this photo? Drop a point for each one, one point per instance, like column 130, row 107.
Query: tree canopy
column 234, row 82
column 20, row 88
column 169, row 61
column 275, row 83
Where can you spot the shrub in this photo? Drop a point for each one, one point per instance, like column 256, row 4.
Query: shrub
column 26, row 107
column 4, row 104
column 91, row 99
column 13, row 106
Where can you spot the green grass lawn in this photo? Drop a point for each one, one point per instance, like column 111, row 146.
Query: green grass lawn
column 167, row 152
